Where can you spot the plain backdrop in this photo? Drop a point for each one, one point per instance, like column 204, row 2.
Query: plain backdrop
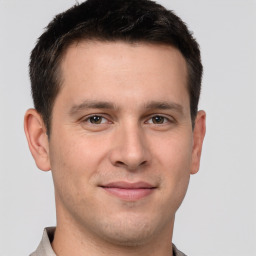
column 217, row 217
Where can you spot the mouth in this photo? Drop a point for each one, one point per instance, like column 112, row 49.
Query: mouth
column 129, row 191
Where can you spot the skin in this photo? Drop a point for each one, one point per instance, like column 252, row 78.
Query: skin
column 138, row 96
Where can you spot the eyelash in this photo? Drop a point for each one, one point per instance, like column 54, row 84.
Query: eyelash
column 166, row 119
column 87, row 119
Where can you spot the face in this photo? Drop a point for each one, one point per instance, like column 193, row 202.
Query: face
column 122, row 147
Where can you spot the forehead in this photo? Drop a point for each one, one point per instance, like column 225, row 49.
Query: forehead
column 111, row 53
column 118, row 69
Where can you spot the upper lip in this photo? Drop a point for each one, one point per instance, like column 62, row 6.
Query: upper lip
column 128, row 185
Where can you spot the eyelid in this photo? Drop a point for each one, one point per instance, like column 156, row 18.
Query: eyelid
column 86, row 118
column 168, row 118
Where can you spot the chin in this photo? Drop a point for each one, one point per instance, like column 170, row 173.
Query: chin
column 129, row 232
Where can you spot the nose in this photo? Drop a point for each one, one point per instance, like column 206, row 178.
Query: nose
column 130, row 150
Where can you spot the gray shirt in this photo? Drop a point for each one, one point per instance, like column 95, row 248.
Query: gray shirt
column 45, row 248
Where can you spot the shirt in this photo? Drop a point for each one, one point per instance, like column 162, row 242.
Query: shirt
column 45, row 248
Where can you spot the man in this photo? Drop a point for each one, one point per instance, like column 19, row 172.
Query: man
column 116, row 86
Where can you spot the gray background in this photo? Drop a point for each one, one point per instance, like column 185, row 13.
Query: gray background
column 217, row 217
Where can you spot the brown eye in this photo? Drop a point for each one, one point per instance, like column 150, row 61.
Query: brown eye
column 95, row 119
column 158, row 120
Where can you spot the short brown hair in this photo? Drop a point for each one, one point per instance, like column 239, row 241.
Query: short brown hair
column 126, row 20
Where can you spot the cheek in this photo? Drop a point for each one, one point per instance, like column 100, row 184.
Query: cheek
column 174, row 152
column 174, row 160
column 73, row 162
column 76, row 160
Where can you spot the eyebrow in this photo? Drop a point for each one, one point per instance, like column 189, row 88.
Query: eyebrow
column 164, row 105
column 94, row 104
column 87, row 104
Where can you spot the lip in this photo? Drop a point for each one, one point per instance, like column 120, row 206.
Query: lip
column 129, row 191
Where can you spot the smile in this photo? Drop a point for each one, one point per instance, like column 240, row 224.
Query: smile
column 129, row 191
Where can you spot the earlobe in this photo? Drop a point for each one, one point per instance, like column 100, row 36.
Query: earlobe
column 198, row 137
column 37, row 139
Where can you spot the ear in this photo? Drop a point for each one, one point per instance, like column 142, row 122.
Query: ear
column 37, row 138
column 198, row 137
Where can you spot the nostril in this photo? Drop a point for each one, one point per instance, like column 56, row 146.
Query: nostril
column 131, row 166
column 143, row 163
column 120, row 163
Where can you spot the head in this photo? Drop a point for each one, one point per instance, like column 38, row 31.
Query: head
column 116, row 87
column 129, row 21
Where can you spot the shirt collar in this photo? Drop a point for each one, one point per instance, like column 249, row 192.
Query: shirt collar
column 45, row 248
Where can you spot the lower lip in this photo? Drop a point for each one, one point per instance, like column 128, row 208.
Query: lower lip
column 130, row 194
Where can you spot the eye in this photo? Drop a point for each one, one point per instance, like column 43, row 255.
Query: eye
column 158, row 120
column 95, row 119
